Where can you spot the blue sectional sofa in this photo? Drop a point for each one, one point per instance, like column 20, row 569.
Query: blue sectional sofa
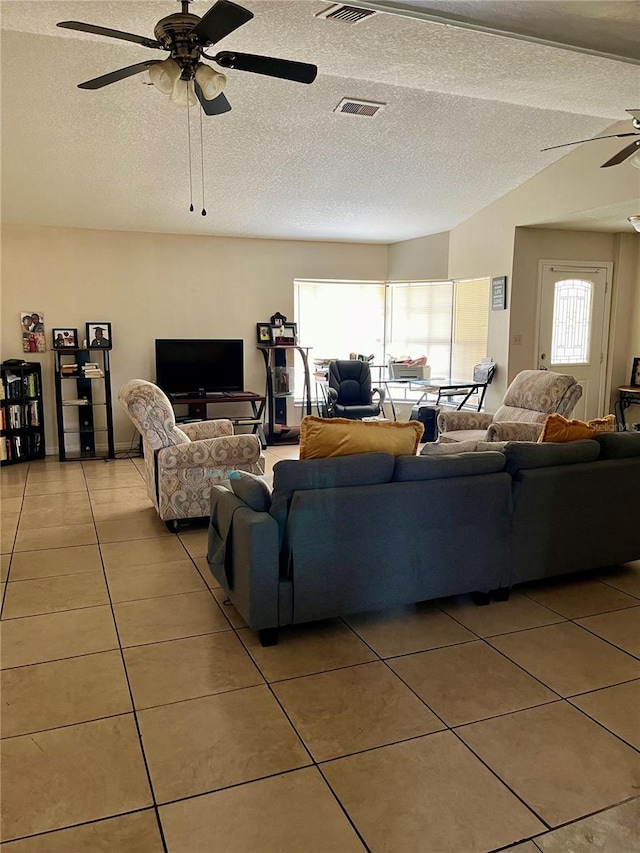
column 355, row 533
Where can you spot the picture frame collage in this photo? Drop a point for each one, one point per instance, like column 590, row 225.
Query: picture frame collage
column 97, row 336
column 277, row 334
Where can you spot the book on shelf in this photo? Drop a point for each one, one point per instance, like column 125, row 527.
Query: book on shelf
column 75, row 402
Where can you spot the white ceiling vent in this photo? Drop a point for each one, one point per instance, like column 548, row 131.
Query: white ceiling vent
column 348, row 14
column 356, row 107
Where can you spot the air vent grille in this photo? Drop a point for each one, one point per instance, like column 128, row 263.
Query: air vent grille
column 354, row 107
column 348, row 14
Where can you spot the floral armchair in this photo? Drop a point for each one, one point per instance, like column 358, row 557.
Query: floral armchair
column 181, row 464
column 532, row 396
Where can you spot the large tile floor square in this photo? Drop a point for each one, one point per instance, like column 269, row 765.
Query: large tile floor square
column 469, row 682
column 294, row 812
column 147, row 717
column 561, row 763
column 353, row 709
column 72, row 775
column 429, row 788
column 567, row 658
column 217, row 741
column 408, row 629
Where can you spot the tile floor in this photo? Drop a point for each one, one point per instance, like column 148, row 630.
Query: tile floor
column 140, row 714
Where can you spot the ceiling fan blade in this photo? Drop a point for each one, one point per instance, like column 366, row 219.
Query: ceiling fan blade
column 215, row 107
column 222, row 18
column 299, row 72
column 592, row 139
column 120, row 74
column 621, row 156
column 105, row 31
column 634, row 113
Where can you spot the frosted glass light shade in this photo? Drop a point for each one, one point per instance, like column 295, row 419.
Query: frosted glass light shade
column 210, row 81
column 635, row 160
column 164, row 75
column 635, row 221
column 184, row 94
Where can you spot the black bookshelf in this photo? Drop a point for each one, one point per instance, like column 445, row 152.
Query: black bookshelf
column 279, row 390
column 21, row 413
column 83, row 404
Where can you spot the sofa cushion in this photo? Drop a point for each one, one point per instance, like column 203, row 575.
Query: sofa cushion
column 410, row 468
column 324, row 437
column 521, row 455
column 453, row 447
column 618, row 445
column 461, row 436
column 558, row 429
column 291, row 475
column 251, row 489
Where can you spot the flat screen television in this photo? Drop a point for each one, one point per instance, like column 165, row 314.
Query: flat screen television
column 193, row 367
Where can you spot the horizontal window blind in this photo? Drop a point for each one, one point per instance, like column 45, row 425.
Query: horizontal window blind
column 338, row 318
column 419, row 323
column 470, row 326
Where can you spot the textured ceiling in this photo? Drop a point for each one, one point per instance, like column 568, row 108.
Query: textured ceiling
column 466, row 116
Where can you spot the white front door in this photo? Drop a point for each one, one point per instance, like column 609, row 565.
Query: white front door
column 573, row 315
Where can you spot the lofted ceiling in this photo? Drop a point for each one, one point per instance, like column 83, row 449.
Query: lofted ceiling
column 466, row 115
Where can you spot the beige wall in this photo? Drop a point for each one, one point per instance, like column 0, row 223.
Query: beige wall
column 153, row 285
column 426, row 258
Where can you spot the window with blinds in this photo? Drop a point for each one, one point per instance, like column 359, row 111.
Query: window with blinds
column 419, row 323
column 338, row 318
column 445, row 320
column 470, row 326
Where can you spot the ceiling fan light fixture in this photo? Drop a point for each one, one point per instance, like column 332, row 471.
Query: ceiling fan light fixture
column 635, row 221
column 164, row 75
column 210, row 81
column 635, row 159
column 184, row 94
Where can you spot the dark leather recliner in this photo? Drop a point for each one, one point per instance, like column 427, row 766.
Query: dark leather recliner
column 350, row 394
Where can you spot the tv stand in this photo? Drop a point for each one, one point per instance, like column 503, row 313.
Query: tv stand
column 197, row 408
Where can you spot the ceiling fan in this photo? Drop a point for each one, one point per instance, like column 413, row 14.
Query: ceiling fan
column 185, row 37
column 621, row 156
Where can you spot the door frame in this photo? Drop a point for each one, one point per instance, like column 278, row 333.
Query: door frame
column 543, row 263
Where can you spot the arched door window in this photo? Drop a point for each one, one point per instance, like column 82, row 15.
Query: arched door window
column 571, row 329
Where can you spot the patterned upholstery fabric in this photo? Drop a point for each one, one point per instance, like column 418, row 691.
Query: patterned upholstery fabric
column 181, row 465
column 532, row 396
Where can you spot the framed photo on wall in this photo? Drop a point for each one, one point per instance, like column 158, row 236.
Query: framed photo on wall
column 32, row 327
column 99, row 335
column 64, row 338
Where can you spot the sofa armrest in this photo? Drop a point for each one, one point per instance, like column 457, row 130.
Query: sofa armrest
column 450, row 421
column 224, row 452
column 207, row 429
column 514, row 431
column 250, row 569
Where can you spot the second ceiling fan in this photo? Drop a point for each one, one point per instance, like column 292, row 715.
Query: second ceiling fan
column 628, row 151
column 185, row 37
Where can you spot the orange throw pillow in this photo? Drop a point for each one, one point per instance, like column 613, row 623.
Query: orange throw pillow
column 559, row 429
column 323, row 437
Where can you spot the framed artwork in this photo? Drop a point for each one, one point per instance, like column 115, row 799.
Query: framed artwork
column 283, row 334
column 99, row 335
column 64, row 338
column 263, row 331
column 635, row 372
column 32, row 326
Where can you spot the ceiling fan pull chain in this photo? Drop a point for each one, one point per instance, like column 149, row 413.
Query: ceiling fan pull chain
column 204, row 212
column 190, row 173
